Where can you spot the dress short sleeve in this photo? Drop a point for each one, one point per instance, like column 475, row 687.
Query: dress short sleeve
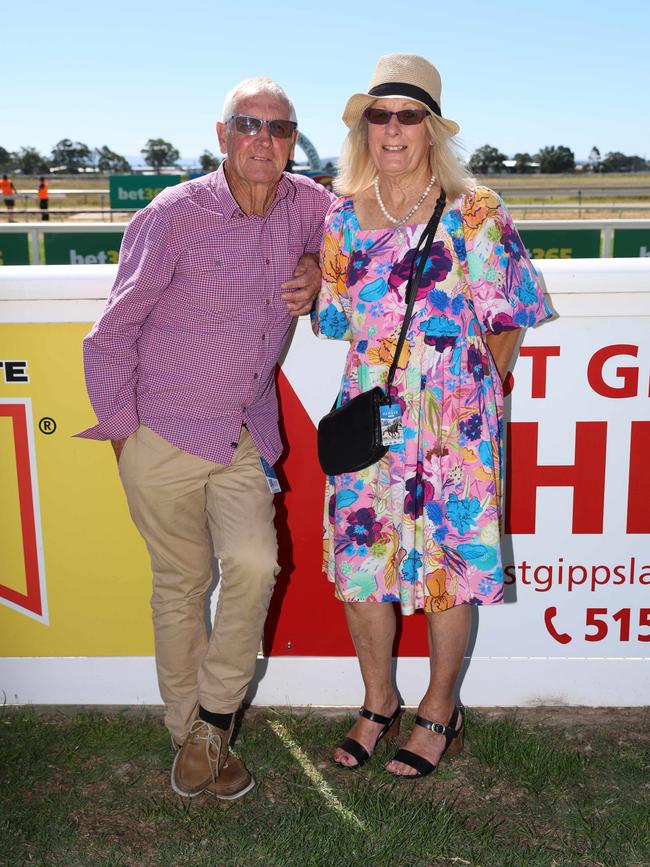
column 506, row 289
column 330, row 314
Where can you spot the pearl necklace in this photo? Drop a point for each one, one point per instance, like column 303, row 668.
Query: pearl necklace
column 408, row 216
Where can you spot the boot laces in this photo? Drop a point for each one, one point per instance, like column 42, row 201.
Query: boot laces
column 203, row 731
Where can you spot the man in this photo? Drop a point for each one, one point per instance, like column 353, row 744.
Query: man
column 180, row 371
column 43, row 192
column 8, row 190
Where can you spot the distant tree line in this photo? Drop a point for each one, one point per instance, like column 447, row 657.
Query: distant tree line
column 73, row 157
column 552, row 160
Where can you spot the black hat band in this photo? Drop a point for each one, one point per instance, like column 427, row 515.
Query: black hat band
column 400, row 88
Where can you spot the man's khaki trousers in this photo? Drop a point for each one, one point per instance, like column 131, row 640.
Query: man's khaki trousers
column 189, row 510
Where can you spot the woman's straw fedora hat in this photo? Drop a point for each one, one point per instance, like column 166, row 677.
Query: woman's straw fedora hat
column 401, row 75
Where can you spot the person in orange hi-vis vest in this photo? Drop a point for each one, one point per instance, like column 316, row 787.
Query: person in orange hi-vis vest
column 43, row 199
column 8, row 191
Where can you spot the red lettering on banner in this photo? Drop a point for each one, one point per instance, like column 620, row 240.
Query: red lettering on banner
column 31, row 599
column 540, row 356
column 586, row 476
column 623, row 617
column 629, row 375
column 638, row 491
column 597, row 619
column 302, row 593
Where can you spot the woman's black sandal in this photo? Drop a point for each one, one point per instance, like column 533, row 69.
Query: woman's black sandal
column 390, row 730
column 454, row 739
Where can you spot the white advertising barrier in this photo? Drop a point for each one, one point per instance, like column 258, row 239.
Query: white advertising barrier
column 575, row 628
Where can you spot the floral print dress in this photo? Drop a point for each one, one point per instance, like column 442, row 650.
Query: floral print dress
column 421, row 526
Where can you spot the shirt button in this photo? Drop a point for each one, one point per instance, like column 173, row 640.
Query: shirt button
column 264, row 337
column 267, row 261
column 256, row 376
column 234, row 445
column 268, row 301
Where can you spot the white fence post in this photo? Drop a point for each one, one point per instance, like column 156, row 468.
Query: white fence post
column 36, row 245
column 608, row 233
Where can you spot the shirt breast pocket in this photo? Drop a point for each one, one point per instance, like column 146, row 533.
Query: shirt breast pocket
column 286, row 260
column 290, row 260
column 217, row 279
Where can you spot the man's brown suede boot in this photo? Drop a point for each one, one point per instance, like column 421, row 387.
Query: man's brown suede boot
column 233, row 781
column 201, row 759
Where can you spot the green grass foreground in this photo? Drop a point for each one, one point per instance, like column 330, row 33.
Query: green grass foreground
column 537, row 788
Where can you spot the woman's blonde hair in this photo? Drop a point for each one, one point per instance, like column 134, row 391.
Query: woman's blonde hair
column 357, row 170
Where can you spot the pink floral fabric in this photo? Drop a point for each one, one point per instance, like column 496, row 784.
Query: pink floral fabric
column 421, row 527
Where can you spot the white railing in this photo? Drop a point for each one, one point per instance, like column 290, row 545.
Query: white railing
column 76, row 293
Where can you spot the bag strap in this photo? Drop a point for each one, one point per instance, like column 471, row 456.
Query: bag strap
column 423, row 248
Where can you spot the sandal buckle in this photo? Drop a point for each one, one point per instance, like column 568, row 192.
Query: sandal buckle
column 438, row 728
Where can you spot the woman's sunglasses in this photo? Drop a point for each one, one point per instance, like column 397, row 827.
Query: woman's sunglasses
column 407, row 116
column 247, row 125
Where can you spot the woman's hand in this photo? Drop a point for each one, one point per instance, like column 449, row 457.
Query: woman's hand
column 304, row 286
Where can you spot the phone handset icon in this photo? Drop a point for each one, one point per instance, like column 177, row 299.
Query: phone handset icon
column 560, row 637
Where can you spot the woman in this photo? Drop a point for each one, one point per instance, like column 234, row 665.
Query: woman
column 420, row 527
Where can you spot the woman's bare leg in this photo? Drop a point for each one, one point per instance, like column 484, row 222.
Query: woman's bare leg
column 448, row 632
column 372, row 627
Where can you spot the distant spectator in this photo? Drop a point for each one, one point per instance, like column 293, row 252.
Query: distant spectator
column 44, row 199
column 8, row 191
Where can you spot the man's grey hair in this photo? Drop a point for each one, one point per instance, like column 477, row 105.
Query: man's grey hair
column 252, row 87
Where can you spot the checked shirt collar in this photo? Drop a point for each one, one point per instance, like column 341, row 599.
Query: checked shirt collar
column 226, row 202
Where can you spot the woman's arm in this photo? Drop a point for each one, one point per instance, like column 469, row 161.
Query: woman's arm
column 502, row 345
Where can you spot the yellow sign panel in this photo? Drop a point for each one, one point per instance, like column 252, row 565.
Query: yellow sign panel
column 12, row 555
column 75, row 577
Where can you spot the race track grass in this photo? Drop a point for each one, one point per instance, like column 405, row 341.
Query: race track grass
column 93, row 789
column 628, row 188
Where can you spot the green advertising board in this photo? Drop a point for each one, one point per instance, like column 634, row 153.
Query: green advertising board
column 632, row 243
column 82, row 248
column 14, row 248
column 136, row 191
column 562, row 243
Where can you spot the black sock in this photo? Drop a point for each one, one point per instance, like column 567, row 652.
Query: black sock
column 220, row 720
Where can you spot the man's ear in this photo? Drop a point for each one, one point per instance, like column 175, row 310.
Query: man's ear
column 222, row 135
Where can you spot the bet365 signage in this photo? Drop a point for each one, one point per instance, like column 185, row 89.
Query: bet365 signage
column 136, row 191
column 562, row 243
column 82, row 248
column 14, row 248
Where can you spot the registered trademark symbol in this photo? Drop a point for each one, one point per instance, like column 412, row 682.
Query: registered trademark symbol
column 47, row 425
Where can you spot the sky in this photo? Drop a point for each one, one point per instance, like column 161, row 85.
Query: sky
column 515, row 75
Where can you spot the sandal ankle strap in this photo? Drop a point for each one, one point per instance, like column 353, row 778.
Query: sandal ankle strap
column 449, row 731
column 378, row 717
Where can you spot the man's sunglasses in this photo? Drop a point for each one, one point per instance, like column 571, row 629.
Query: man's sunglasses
column 407, row 116
column 247, row 125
